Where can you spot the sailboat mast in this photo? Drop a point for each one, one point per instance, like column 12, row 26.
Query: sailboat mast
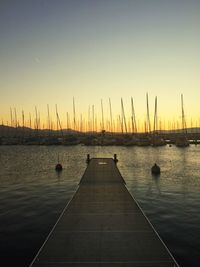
column 58, row 121
column 183, row 116
column 121, row 120
column 111, row 120
column 11, row 117
column 182, row 112
column 134, row 124
column 48, row 114
column 88, row 124
column 155, row 116
column 23, row 124
column 39, row 125
column 148, row 117
column 30, row 126
column 102, row 116
column 123, row 115
column 93, row 118
column 74, row 112
column 23, row 119
column 36, row 119
column 15, row 118
column 30, row 123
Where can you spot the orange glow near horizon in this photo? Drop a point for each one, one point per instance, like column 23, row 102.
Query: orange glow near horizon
column 91, row 120
column 91, row 50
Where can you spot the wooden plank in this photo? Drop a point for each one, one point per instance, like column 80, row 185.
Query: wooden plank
column 103, row 225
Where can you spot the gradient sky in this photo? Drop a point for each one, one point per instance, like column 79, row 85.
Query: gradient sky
column 52, row 50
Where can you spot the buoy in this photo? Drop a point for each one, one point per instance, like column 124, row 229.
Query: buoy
column 155, row 169
column 58, row 167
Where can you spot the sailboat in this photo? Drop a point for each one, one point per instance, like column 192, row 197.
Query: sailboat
column 131, row 139
column 156, row 139
column 182, row 140
column 144, row 139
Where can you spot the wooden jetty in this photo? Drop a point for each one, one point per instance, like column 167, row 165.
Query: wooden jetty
column 103, row 225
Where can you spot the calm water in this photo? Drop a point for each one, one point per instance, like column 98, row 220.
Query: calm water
column 32, row 194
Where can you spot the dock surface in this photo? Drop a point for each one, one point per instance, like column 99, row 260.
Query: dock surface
column 103, row 226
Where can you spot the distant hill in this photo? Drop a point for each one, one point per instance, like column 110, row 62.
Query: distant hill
column 8, row 130
column 189, row 130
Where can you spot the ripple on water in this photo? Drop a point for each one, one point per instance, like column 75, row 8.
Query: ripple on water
column 32, row 194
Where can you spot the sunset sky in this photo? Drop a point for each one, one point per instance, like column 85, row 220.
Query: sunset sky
column 54, row 50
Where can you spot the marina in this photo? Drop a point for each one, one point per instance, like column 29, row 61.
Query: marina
column 99, row 133
column 18, row 136
column 122, row 131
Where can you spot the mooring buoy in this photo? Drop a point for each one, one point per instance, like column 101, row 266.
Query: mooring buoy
column 58, row 167
column 155, row 169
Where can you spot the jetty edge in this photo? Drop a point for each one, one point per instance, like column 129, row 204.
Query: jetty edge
column 103, row 225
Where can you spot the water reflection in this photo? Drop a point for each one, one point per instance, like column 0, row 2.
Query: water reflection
column 156, row 180
column 32, row 193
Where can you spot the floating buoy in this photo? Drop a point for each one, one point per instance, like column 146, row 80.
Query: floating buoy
column 58, row 167
column 155, row 169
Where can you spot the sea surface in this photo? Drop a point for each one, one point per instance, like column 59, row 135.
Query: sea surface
column 32, row 194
